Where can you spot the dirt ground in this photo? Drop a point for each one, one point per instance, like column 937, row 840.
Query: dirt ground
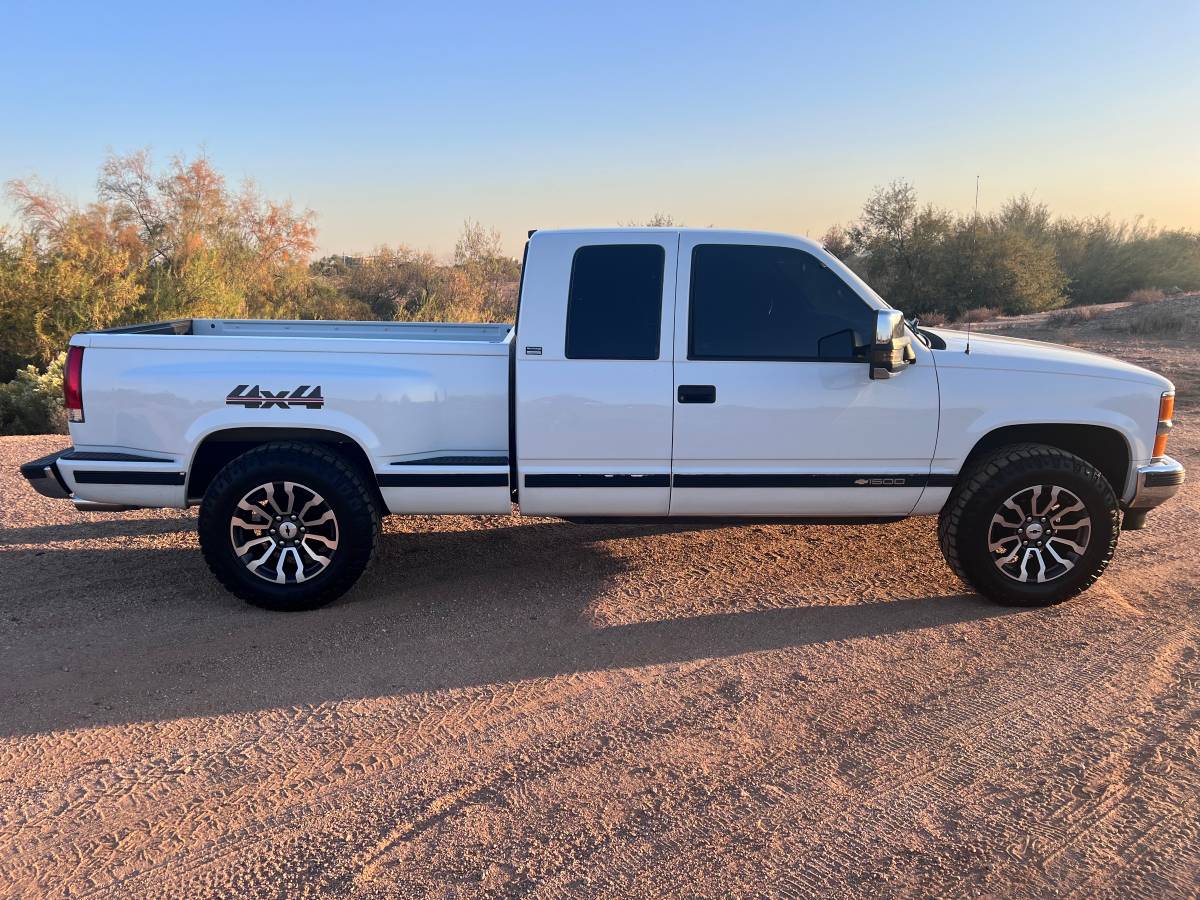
column 508, row 706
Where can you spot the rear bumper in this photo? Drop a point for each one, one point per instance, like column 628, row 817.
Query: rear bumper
column 43, row 474
column 1156, row 482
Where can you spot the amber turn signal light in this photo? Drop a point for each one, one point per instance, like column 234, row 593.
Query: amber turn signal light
column 1166, row 415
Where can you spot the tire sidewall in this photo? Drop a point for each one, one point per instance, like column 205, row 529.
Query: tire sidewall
column 978, row 561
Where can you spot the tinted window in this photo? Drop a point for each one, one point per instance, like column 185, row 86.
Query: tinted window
column 615, row 304
column 772, row 303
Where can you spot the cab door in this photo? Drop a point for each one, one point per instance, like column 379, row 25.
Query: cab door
column 593, row 373
column 775, row 412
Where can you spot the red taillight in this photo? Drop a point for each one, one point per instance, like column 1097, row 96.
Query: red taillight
column 73, row 384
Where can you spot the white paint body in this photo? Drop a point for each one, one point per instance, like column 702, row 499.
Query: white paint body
column 408, row 392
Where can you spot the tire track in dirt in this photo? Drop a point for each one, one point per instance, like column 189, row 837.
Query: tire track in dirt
column 555, row 747
column 889, row 788
column 320, row 788
column 325, row 797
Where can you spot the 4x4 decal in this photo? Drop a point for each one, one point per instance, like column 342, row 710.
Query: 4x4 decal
column 256, row 398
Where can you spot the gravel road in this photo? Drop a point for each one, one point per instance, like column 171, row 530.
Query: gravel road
column 509, row 706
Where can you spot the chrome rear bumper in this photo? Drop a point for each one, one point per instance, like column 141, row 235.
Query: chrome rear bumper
column 1156, row 482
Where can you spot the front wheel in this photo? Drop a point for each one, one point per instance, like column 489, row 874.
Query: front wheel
column 1030, row 525
column 288, row 526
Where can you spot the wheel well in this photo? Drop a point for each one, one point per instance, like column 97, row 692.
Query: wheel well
column 221, row 447
column 1104, row 448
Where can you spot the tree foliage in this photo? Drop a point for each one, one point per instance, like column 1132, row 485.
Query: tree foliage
column 407, row 285
column 32, row 403
column 924, row 259
column 178, row 241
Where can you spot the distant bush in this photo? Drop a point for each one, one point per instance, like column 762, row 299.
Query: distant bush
column 1065, row 318
column 32, row 402
column 980, row 314
column 1161, row 320
column 407, row 285
column 1018, row 260
column 1142, row 296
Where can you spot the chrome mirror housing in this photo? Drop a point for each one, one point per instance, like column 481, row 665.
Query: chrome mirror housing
column 891, row 351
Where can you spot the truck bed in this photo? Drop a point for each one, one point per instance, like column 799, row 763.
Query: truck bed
column 416, row 398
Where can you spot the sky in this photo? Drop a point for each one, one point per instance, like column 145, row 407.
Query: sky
column 395, row 122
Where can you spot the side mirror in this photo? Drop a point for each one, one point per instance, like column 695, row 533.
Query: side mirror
column 891, row 351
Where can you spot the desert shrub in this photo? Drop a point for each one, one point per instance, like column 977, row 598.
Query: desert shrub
column 1020, row 259
column 1065, row 318
column 408, row 285
column 1142, row 296
column 933, row 319
column 924, row 259
column 178, row 241
column 153, row 245
column 980, row 314
column 1105, row 261
column 32, row 402
column 1161, row 320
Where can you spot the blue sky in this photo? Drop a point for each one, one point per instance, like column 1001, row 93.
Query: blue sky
column 395, row 122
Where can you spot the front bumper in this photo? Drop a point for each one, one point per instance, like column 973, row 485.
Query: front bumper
column 1156, row 482
column 43, row 474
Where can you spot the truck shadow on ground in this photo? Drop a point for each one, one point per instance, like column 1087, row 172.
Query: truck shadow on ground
column 153, row 638
column 92, row 529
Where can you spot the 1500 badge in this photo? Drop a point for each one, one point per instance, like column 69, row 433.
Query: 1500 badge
column 256, row 398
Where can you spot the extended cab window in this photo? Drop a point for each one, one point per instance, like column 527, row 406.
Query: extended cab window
column 614, row 308
column 755, row 302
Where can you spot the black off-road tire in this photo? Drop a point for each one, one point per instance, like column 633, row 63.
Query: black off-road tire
column 318, row 468
column 964, row 523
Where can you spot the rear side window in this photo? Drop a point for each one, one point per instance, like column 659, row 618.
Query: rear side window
column 614, row 309
column 753, row 302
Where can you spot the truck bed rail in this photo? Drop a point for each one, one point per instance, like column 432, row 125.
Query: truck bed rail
column 312, row 328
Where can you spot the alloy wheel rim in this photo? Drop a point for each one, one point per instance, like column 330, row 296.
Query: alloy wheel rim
column 284, row 532
column 1039, row 534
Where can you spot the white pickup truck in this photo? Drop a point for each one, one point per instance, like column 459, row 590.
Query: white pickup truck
column 652, row 374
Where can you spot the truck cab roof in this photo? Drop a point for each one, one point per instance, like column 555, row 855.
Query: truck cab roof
column 717, row 235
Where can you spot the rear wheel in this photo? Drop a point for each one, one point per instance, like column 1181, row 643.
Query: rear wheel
column 288, row 526
column 1030, row 525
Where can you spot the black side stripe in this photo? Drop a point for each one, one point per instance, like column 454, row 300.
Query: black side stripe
column 941, row 480
column 89, row 456
column 89, row 477
column 660, row 480
column 765, row 480
column 809, row 480
column 437, row 479
column 596, row 480
column 455, row 461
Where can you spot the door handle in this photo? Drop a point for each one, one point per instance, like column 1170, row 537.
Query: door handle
column 697, row 393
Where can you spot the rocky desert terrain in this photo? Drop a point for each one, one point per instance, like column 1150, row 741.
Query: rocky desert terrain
column 509, row 706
